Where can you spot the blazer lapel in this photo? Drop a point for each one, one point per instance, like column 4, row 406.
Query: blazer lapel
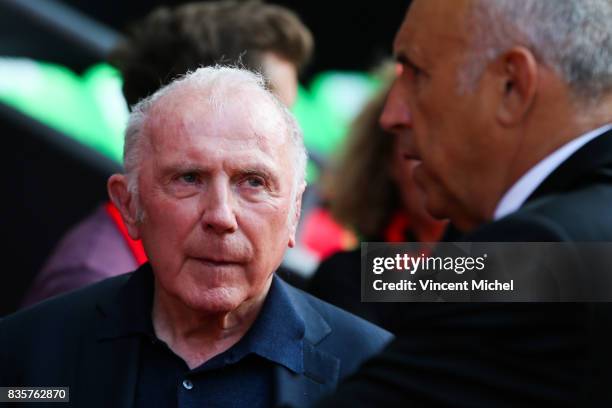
column 108, row 372
column 109, row 358
column 320, row 377
column 321, row 369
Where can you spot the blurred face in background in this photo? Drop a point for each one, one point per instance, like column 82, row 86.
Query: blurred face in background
column 282, row 76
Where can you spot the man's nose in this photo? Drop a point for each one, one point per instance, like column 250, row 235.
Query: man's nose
column 395, row 117
column 218, row 214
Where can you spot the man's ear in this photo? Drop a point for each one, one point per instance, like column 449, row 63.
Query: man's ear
column 295, row 217
column 122, row 198
column 518, row 70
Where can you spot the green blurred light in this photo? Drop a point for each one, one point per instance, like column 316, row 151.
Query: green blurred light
column 88, row 108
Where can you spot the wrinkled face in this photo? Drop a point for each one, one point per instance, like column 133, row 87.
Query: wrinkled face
column 216, row 190
column 450, row 130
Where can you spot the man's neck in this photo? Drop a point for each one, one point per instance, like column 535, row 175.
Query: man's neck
column 428, row 229
column 557, row 120
column 197, row 336
column 521, row 190
column 549, row 128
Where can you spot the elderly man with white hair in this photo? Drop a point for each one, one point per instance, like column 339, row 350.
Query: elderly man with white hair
column 214, row 173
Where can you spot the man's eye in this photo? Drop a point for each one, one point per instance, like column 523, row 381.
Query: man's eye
column 411, row 71
column 414, row 71
column 189, row 178
column 255, row 182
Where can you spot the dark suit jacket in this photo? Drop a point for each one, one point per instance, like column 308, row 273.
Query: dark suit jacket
column 337, row 280
column 65, row 341
column 508, row 355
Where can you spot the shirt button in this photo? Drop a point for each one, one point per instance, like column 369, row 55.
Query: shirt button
column 187, row 384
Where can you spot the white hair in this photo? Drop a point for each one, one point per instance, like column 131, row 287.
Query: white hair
column 214, row 82
column 572, row 37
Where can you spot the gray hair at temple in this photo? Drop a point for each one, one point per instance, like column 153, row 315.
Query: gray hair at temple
column 214, row 82
column 572, row 37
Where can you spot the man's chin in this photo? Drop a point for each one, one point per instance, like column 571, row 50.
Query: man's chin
column 441, row 209
column 436, row 210
column 214, row 300
column 435, row 203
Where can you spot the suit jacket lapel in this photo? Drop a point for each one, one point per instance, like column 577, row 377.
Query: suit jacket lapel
column 320, row 377
column 321, row 369
column 108, row 373
column 109, row 358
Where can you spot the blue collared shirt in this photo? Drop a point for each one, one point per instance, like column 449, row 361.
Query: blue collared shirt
column 242, row 376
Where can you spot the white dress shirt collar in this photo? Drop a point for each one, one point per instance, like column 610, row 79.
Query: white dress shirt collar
column 514, row 198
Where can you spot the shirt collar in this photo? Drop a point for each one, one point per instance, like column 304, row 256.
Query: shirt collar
column 516, row 196
column 276, row 335
column 278, row 332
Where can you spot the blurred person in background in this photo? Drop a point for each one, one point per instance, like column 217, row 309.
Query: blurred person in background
column 164, row 45
column 372, row 192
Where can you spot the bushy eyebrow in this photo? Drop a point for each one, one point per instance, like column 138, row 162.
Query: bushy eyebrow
column 251, row 169
column 182, row 168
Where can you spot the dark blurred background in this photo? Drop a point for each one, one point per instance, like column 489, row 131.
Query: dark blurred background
column 349, row 35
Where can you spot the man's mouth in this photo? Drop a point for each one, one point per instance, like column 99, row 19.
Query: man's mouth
column 418, row 173
column 411, row 156
column 216, row 262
